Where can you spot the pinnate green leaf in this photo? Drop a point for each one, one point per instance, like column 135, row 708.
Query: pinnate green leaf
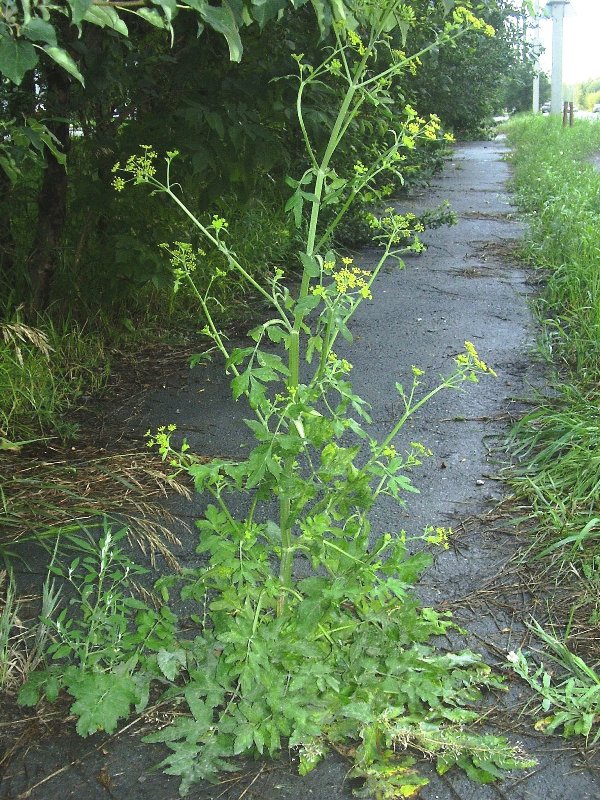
column 244, row 739
column 170, row 662
column 240, row 384
column 101, row 699
column 310, row 264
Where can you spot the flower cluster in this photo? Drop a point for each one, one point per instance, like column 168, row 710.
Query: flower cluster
column 335, row 66
column 463, row 16
column 141, row 168
column 438, row 536
column 183, row 259
column 356, row 42
column 470, row 358
column 400, row 227
column 417, row 453
column 338, row 364
column 352, row 279
column 432, row 127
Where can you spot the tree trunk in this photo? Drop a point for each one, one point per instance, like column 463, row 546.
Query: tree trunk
column 20, row 103
column 7, row 244
column 52, row 198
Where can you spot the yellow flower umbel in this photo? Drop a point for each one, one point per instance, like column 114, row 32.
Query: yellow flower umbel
column 141, row 168
column 438, row 536
column 347, row 280
column 470, row 358
column 351, row 279
column 462, row 15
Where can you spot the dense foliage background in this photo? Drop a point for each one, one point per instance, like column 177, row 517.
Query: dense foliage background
column 84, row 85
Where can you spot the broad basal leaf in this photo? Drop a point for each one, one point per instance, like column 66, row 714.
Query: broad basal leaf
column 101, row 699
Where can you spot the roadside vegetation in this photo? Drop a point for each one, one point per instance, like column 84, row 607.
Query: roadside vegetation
column 557, row 446
column 249, row 174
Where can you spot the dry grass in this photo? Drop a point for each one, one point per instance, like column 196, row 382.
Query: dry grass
column 17, row 334
column 43, row 497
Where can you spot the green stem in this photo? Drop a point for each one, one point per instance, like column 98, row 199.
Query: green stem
column 287, row 549
column 223, row 249
column 326, row 347
column 410, row 410
column 287, row 552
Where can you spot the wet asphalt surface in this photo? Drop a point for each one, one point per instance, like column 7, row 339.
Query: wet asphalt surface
column 468, row 285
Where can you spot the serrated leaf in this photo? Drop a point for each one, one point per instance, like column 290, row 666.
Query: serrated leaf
column 306, row 304
column 240, row 384
column 101, row 700
column 310, row 265
column 201, row 711
column 344, row 330
column 65, row 61
column 244, row 739
column 170, row 662
column 259, row 739
column 295, row 205
column 29, row 693
column 272, row 361
column 16, row 58
column 360, row 711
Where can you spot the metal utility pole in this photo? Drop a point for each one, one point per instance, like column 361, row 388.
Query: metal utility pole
column 557, row 11
column 536, row 42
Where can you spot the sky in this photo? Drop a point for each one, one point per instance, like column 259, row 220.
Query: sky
column 581, row 42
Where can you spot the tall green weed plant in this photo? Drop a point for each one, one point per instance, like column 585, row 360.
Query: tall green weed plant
column 340, row 657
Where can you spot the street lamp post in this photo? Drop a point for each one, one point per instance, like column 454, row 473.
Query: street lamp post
column 536, row 53
column 557, row 11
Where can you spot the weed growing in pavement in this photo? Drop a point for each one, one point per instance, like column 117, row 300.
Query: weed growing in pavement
column 107, row 645
column 570, row 702
column 339, row 657
column 22, row 644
